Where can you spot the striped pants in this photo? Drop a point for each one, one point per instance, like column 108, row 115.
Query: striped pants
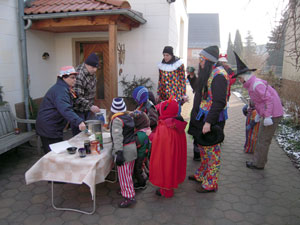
column 125, row 179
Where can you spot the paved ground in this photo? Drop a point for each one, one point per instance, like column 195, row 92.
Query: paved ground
column 245, row 196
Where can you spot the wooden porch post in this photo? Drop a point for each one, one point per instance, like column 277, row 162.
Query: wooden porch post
column 113, row 59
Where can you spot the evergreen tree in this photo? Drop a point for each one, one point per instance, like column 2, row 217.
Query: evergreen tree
column 238, row 44
column 250, row 48
column 275, row 48
column 230, row 55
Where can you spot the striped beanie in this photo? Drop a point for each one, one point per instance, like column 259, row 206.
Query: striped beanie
column 118, row 105
column 140, row 94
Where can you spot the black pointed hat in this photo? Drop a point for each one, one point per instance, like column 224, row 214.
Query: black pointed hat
column 241, row 66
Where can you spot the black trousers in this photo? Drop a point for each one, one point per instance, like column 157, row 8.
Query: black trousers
column 48, row 141
column 138, row 170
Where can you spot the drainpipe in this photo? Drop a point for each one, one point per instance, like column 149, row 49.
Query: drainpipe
column 24, row 60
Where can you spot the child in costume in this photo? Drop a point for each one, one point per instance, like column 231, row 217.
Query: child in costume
column 141, row 95
column 251, row 127
column 142, row 127
column 169, row 150
column 123, row 149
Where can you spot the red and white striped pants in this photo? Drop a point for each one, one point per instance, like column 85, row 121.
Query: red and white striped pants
column 125, row 179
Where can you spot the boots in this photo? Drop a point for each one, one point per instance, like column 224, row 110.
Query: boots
column 196, row 153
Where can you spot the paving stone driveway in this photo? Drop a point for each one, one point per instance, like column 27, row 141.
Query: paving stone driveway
column 245, row 196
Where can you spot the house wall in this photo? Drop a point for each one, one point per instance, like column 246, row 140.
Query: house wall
column 42, row 73
column 10, row 60
column 144, row 45
column 61, row 50
column 289, row 71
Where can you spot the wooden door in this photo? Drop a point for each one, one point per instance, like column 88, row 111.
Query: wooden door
column 102, row 98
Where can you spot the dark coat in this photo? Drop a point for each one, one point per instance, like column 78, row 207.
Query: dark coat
column 55, row 110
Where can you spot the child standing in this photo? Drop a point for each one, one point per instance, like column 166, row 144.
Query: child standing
column 142, row 127
column 141, row 96
column 251, row 127
column 169, row 150
column 124, row 149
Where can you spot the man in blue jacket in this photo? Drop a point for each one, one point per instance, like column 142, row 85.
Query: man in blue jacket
column 56, row 109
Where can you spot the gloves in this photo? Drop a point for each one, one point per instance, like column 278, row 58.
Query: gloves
column 120, row 158
column 268, row 121
column 257, row 118
column 250, row 125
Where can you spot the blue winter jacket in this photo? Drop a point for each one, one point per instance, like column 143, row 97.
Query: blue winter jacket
column 55, row 110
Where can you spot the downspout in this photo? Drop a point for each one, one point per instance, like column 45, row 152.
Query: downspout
column 24, row 60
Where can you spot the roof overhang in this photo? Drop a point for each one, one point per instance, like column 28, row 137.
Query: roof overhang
column 85, row 21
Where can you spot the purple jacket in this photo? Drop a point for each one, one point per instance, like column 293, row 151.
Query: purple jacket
column 266, row 99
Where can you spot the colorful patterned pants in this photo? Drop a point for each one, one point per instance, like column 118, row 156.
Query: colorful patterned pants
column 125, row 179
column 208, row 172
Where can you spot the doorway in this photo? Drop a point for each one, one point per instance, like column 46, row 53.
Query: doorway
column 83, row 50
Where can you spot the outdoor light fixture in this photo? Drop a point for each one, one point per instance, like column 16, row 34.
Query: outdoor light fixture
column 170, row 1
column 45, row 56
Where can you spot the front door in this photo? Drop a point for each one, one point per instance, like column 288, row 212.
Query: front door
column 102, row 98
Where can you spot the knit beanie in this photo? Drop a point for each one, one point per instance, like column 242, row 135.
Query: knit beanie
column 140, row 94
column 92, row 60
column 141, row 120
column 211, row 53
column 169, row 50
column 190, row 69
column 118, row 105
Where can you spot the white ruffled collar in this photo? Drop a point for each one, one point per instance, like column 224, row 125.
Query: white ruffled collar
column 170, row 67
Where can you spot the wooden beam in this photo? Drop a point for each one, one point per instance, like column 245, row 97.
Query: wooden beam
column 71, row 22
column 112, row 30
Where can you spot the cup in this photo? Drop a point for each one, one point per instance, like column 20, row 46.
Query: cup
column 82, row 152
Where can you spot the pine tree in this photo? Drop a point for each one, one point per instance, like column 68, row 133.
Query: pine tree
column 238, row 44
column 250, row 48
column 275, row 48
column 230, row 55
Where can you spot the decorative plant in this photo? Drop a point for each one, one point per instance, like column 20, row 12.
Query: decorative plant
column 129, row 86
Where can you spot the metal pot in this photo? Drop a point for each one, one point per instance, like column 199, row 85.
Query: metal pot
column 94, row 126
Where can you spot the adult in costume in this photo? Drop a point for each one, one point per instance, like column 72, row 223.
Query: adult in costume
column 269, row 111
column 169, row 150
column 209, row 112
column 171, row 76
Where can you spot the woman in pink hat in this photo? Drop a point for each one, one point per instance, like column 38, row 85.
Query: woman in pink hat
column 56, row 109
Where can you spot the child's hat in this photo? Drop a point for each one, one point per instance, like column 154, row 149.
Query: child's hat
column 168, row 108
column 118, row 105
column 141, row 120
column 140, row 94
column 223, row 58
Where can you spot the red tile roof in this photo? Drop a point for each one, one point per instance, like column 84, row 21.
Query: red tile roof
column 62, row 6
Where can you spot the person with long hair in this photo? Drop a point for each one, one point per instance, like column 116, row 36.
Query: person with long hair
column 208, row 115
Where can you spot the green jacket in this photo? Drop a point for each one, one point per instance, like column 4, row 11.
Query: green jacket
column 143, row 144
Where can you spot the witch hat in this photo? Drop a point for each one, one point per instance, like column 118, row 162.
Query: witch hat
column 241, row 66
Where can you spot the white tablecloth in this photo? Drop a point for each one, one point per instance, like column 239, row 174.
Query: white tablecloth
column 64, row 167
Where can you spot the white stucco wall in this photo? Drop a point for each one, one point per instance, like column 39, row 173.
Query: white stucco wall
column 60, row 48
column 289, row 70
column 10, row 62
column 144, row 45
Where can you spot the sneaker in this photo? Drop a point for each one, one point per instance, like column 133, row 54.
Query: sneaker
column 138, row 186
column 127, row 202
